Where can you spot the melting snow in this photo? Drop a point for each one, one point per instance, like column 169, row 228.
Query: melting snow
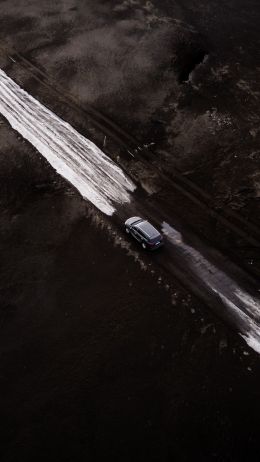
column 245, row 308
column 74, row 157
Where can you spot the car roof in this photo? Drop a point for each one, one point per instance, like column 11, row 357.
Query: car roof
column 147, row 229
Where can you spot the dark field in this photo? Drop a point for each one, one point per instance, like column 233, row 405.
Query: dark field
column 102, row 355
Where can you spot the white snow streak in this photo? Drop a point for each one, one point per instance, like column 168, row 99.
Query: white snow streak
column 77, row 159
column 252, row 332
column 245, row 309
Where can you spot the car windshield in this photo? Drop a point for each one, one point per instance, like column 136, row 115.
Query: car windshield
column 155, row 239
column 148, row 230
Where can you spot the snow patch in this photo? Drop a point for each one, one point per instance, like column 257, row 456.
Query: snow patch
column 244, row 308
column 74, row 157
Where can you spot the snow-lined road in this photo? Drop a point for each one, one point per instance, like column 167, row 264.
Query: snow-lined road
column 74, row 157
column 104, row 184
column 242, row 309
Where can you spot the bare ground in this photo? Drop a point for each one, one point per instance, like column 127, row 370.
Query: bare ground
column 98, row 358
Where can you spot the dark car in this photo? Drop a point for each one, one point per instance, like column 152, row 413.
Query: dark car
column 144, row 232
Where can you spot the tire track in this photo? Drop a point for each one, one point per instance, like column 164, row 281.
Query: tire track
column 102, row 182
column 231, row 220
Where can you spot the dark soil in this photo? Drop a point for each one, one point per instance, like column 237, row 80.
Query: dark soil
column 96, row 361
column 99, row 360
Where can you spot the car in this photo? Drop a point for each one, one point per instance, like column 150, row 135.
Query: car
column 145, row 233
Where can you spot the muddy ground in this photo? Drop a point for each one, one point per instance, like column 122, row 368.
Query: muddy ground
column 181, row 78
column 183, row 75
column 99, row 358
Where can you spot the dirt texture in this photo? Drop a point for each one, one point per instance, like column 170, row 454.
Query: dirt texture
column 101, row 355
column 98, row 358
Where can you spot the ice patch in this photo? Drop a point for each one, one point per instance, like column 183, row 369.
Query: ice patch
column 74, row 157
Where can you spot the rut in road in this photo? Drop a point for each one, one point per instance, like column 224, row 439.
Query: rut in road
column 102, row 182
column 246, row 234
column 73, row 156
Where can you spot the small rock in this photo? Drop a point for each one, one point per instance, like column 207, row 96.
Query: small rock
column 222, row 344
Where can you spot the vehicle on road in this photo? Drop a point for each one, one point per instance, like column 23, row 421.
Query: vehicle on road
column 145, row 233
